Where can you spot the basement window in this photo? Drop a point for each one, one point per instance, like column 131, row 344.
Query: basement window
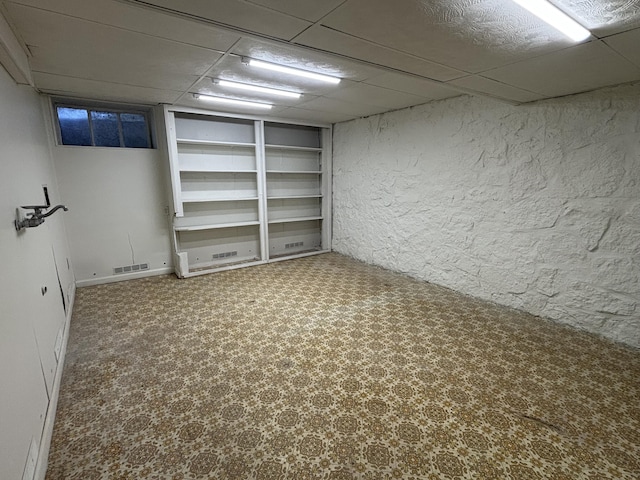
column 102, row 127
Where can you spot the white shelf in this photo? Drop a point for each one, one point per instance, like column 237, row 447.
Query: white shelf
column 195, row 228
column 292, row 220
column 293, row 197
column 306, row 172
column 293, row 147
column 187, row 141
column 213, row 170
column 207, row 196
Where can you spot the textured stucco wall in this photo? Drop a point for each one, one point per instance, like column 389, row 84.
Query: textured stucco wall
column 536, row 206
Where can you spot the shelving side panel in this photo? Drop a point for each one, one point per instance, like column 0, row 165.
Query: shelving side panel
column 279, row 209
column 292, row 160
column 293, row 238
column 293, row 184
column 262, row 189
column 208, row 248
column 213, row 158
column 215, row 129
column 218, row 213
column 174, row 168
column 327, row 183
column 203, row 186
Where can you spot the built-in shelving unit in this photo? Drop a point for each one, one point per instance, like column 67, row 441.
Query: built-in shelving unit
column 246, row 190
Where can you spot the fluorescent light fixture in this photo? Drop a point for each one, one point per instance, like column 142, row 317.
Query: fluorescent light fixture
column 290, row 71
column 556, row 18
column 231, row 101
column 256, row 88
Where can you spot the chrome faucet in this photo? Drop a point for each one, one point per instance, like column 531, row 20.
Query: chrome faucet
column 36, row 217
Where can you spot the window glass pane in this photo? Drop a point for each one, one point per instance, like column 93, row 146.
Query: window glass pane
column 135, row 130
column 105, row 129
column 74, row 126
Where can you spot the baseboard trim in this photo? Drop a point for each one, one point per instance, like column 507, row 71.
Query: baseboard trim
column 47, row 429
column 124, row 276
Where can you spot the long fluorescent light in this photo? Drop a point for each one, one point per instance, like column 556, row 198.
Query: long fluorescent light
column 231, row 101
column 256, row 88
column 291, row 71
column 556, row 18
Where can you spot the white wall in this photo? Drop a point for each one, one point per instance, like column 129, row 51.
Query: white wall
column 117, row 199
column 30, row 321
column 535, row 207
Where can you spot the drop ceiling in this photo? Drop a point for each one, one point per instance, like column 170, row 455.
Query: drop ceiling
column 390, row 54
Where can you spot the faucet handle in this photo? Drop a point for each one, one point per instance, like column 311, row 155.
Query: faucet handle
column 35, row 207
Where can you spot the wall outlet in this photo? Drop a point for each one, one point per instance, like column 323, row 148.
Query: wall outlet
column 32, row 459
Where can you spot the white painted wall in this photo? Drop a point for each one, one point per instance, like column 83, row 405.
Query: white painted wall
column 29, row 320
column 117, row 199
column 536, row 207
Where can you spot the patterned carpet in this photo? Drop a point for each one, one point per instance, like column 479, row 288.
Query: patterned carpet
column 327, row 368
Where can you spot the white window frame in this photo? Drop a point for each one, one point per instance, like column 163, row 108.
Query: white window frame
column 102, row 107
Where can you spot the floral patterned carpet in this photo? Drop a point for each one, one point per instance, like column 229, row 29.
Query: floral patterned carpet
column 327, row 368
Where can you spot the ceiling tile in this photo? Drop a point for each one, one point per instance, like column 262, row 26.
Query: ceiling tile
column 239, row 14
column 627, row 44
column 305, row 58
column 383, row 97
column 98, row 90
column 315, row 115
column 329, row 40
column 333, row 105
column 92, row 51
column 477, row 83
column 462, row 34
column 603, row 17
column 413, row 85
column 577, row 69
column 139, row 19
column 311, row 10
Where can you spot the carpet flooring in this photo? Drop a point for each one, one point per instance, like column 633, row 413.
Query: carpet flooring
column 327, row 368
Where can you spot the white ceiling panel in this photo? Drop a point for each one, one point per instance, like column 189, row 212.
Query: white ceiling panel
column 413, row 85
column 329, row 40
column 94, row 89
column 99, row 52
column 627, row 44
column 603, row 17
column 336, row 106
column 577, row 69
column 390, row 55
column 304, row 58
column 315, row 115
column 311, row 10
column 466, row 35
column 239, row 14
column 138, row 19
column 477, row 83
column 382, row 97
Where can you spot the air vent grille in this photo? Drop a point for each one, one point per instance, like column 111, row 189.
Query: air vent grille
column 217, row 256
column 130, row 268
column 293, row 245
